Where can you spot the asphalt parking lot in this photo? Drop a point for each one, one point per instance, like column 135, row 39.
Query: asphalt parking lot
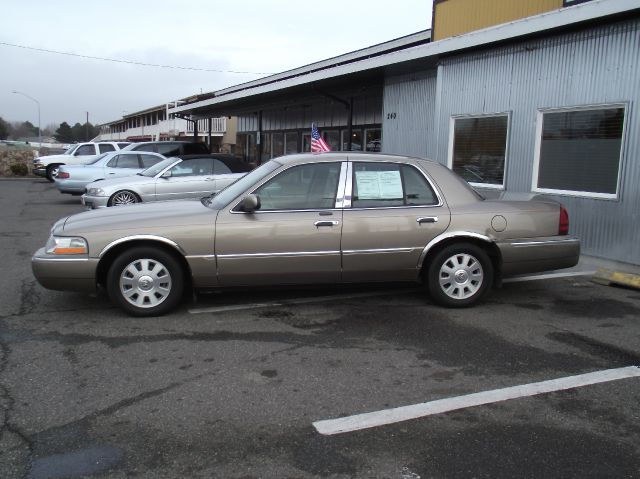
column 232, row 384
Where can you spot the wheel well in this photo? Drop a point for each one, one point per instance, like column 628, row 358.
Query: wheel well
column 490, row 248
column 107, row 260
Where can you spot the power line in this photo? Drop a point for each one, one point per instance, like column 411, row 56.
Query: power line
column 130, row 62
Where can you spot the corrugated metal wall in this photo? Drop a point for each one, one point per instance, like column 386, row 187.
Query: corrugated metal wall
column 597, row 66
column 408, row 119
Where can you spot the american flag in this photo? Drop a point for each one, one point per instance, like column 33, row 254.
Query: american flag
column 318, row 145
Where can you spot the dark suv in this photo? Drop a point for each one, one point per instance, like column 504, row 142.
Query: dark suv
column 170, row 148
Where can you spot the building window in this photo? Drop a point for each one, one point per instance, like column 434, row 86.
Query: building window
column 291, row 142
column 478, row 148
column 374, row 139
column 356, row 140
column 579, row 151
column 277, row 145
column 332, row 137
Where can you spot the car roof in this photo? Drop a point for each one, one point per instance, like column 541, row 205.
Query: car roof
column 342, row 155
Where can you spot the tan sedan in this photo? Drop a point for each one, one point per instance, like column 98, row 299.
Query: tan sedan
column 310, row 218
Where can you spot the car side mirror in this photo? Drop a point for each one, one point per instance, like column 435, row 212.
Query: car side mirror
column 250, row 203
column 166, row 174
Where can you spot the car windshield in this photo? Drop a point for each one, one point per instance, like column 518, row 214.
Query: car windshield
column 158, row 167
column 232, row 191
column 95, row 160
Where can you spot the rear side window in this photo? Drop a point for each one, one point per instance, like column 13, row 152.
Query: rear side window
column 122, row 145
column 378, row 185
column 104, row 147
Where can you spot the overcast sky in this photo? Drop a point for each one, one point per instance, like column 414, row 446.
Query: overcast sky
column 256, row 36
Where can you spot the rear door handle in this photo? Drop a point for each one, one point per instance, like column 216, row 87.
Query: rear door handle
column 317, row 224
column 427, row 219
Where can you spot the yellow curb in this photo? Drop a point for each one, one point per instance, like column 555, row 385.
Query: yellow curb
column 607, row 277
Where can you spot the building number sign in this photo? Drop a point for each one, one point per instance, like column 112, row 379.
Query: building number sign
column 391, row 116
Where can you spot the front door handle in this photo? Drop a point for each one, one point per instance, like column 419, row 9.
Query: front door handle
column 317, row 224
column 427, row 219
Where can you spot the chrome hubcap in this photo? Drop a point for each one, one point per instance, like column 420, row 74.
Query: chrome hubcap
column 145, row 283
column 461, row 276
column 124, row 198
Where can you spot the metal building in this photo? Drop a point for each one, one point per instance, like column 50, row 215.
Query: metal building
column 542, row 105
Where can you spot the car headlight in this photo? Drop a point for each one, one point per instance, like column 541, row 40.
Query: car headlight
column 95, row 192
column 66, row 245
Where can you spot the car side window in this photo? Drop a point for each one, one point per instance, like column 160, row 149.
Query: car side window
column 302, row 187
column 128, row 161
column 105, row 147
column 113, row 162
column 85, row 150
column 170, row 149
column 219, row 168
column 378, row 185
column 193, row 167
column 149, row 160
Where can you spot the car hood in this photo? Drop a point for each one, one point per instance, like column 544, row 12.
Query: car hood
column 114, row 183
column 138, row 218
column 54, row 157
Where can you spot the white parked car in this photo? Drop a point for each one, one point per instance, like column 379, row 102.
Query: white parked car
column 73, row 179
column 189, row 176
column 77, row 154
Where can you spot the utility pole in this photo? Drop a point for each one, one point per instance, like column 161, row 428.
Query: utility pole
column 37, row 103
column 86, row 128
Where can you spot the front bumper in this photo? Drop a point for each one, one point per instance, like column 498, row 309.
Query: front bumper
column 533, row 255
column 93, row 202
column 65, row 273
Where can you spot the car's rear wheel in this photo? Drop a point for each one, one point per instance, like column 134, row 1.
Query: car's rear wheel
column 145, row 281
column 52, row 172
column 459, row 275
column 124, row 197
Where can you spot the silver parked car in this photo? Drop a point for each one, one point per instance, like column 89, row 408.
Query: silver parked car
column 190, row 176
column 73, row 179
column 310, row 218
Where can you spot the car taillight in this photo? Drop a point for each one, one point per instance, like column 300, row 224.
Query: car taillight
column 563, row 228
column 63, row 174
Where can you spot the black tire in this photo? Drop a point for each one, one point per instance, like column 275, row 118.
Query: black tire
column 459, row 275
column 52, row 172
column 145, row 281
column 122, row 198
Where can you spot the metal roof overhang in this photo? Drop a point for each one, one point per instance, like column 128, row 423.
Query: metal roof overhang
column 277, row 88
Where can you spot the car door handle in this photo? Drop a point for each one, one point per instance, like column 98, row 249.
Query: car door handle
column 317, row 224
column 427, row 219
column 210, row 179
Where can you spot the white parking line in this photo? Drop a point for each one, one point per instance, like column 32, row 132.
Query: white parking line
column 389, row 416
column 535, row 277
column 286, row 302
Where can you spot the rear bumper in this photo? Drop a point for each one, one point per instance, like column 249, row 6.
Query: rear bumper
column 71, row 187
column 65, row 274
column 532, row 255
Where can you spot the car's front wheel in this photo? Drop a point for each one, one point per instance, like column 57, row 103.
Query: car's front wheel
column 124, row 197
column 145, row 281
column 459, row 275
